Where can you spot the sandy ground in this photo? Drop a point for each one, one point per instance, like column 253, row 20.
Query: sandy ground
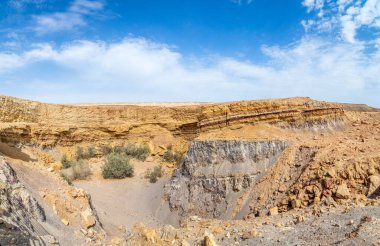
column 122, row 203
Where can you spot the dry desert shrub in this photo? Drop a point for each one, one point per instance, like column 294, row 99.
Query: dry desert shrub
column 117, row 166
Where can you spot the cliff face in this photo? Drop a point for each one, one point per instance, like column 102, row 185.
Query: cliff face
column 215, row 178
column 294, row 112
column 67, row 125
column 18, row 208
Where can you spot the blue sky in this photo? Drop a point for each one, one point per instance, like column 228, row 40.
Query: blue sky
column 169, row 50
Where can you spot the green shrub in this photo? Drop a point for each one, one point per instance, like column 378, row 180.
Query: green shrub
column 66, row 163
column 117, row 166
column 91, row 152
column 172, row 156
column 138, row 151
column 153, row 176
column 79, row 153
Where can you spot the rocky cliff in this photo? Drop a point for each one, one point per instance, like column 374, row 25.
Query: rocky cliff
column 215, row 179
column 66, row 125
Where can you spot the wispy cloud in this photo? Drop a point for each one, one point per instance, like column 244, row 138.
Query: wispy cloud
column 21, row 4
column 73, row 17
column 137, row 69
column 240, row 2
column 348, row 16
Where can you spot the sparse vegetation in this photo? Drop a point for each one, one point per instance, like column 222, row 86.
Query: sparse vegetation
column 66, row 163
column 137, row 151
column 117, row 166
column 153, row 176
column 81, row 170
column 75, row 170
column 67, row 179
column 107, row 149
column 79, row 154
column 82, row 154
column 172, row 156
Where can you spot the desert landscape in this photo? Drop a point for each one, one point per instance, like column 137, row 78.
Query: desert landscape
column 292, row 171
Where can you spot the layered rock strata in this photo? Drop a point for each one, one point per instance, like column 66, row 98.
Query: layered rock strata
column 17, row 207
column 216, row 174
column 66, row 125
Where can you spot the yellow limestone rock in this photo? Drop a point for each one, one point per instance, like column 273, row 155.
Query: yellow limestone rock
column 209, row 239
column 342, row 192
column 88, row 219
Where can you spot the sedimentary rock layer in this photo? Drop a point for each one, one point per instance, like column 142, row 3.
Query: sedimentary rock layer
column 51, row 125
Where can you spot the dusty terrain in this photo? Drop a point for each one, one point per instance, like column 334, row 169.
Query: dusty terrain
column 270, row 172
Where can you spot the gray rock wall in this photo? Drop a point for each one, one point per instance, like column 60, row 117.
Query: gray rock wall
column 215, row 174
column 17, row 207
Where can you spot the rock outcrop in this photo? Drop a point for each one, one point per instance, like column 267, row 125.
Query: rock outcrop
column 17, row 207
column 66, row 125
column 215, row 175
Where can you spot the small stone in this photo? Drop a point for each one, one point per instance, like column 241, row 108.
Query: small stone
column 296, row 203
column 273, row 211
column 282, row 188
column 331, row 172
column 342, row 192
column 209, row 240
column 65, row 222
column 299, row 219
column 249, row 234
column 371, row 171
column 194, row 218
column 351, row 222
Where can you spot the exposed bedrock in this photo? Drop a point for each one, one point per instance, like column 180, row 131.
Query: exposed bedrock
column 216, row 176
column 23, row 121
column 17, row 207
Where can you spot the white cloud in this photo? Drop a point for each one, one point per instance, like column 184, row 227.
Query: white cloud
column 347, row 15
column 313, row 4
column 10, row 62
column 20, row 4
column 136, row 69
column 72, row 18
